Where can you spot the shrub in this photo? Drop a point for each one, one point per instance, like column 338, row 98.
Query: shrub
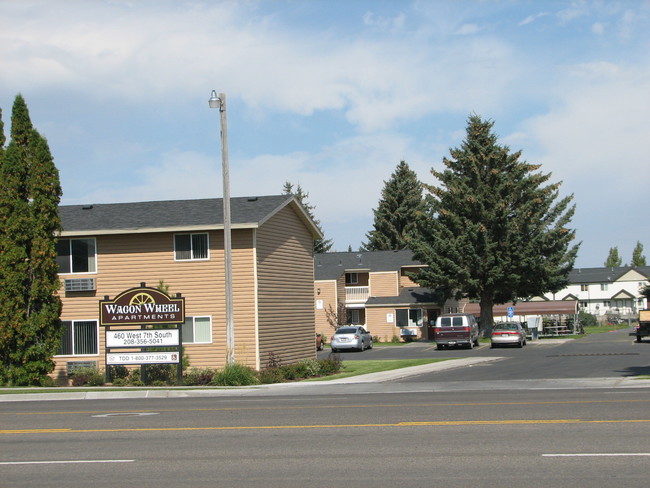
column 270, row 375
column 587, row 320
column 311, row 367
column 395, row 339
column 235, row 375
column 47, row 381
column 196, row 376
column 87, row 376
column 331, row 365
column 273, row 361
column 158, row 374
column 118, row 372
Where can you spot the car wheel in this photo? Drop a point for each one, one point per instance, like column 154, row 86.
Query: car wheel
column 333, row 350
column 493, row 346
column 471, row 343
column 363, row 347
column 370, row 345
column 520, row 344
column 477, row 342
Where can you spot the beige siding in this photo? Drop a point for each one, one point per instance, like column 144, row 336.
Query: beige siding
column 124, row 261
column 384, row 284
column 285, row 279
column 405, row 281
column 376, row 320
column 325, row 291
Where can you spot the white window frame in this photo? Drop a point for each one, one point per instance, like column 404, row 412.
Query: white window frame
column 74, row 342
column 70, row 256
column 193, row 319
column 604, row 286
column 191, row 250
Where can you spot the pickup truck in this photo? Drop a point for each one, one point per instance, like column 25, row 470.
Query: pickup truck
column 643, row 329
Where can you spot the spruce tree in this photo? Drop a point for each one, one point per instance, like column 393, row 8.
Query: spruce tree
column 30, row 328
column 493, row 230
column 399, row 208
column 320, row 245
column 613, row 258
column 638, row 259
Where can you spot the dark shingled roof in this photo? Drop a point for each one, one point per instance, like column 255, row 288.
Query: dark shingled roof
column 330, row 266
column 208, row 213
column 604, row 275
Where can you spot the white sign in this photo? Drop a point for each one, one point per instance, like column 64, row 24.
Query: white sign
column 143, row 358
column 141, row 338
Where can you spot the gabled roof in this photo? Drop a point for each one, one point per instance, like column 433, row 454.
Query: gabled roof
column 332, row 265
column 605, row 275
column 175, row 215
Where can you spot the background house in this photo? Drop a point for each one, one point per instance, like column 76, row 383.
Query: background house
column 607, row 291
column 108, row 248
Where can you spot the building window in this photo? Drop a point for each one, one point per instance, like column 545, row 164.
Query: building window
column 584, row 287
column 604, row 287
column 79, row 338
column 76, row 256
column 351, row 278
column 409, row 318
column 607, row 304
column 197, row 330
column 583, row 305
column 188, row 247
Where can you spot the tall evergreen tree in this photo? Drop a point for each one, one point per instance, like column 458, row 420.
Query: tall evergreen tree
column 320, row 245
column 400, row 206
column 638, row 259
column 30, row 328
column 493, row 230
column 613, row 258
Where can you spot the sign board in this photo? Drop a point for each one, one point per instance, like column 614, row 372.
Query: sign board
column 142, row 305
column 511, row 312
column 142, row 338
column 143, row 358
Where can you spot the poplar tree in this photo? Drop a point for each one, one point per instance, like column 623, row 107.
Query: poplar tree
column 638, row 259
column 30, row 328
column 399, row 208
column 320, row 245
column 494, row 229
column 613, row 258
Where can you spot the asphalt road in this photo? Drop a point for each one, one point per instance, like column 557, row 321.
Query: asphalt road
column 446, row 428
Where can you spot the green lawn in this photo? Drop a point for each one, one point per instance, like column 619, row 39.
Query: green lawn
column 354, row 368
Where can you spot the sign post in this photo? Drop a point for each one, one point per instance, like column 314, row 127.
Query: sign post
column 147, row 308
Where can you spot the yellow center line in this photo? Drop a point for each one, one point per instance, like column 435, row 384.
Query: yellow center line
column 436, row 423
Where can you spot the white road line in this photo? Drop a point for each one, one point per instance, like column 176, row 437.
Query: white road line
column 599, row 454
column 78, row 461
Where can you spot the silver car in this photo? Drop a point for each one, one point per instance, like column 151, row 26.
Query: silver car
column 508, row 333
column 351, row 337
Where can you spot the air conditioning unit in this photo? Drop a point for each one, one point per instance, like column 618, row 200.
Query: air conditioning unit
column 80, row 284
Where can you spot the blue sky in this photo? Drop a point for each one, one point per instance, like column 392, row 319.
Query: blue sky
column 332, row 94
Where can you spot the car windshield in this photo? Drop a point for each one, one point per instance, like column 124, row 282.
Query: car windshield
column 346, row 330
column 506, row 327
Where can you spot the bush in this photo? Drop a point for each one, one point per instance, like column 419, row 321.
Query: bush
column 331, row 365
column 311, row 367
column 118, row 372
column 587, row 320
column 161, row 374
column 47, row 381
column 235, row 375
column 87, row 376
column 197, row 377
column 270, row 375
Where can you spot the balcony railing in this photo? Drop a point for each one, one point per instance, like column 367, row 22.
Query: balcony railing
column 356, row 294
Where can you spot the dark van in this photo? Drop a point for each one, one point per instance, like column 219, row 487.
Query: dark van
column 456, row 329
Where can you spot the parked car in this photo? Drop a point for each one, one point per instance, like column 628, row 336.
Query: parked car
column 351, row 337
column 319, row 342
column 456, row 329
column 508, row 333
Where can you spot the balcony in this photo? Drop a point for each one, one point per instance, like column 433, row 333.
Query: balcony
column 356, row 294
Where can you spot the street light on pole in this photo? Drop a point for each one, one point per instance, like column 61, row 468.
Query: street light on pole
column 220, row 103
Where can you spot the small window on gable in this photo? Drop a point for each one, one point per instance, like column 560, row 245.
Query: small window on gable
column 189, row 247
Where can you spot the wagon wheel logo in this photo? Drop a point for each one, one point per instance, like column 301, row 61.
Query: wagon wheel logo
column 140, row 298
